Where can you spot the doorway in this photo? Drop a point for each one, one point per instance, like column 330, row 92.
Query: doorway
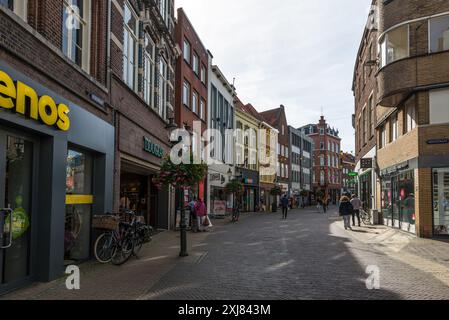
column 16, row 208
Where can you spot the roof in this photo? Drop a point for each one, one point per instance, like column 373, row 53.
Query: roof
column 272, row 117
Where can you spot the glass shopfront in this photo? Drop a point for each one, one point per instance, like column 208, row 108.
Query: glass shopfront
column 79, row 202
column 398, row 201
column 366, row 191
column 16, row 178
column 441, row 201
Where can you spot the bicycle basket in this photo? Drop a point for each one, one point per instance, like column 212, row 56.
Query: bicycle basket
column 105, row 222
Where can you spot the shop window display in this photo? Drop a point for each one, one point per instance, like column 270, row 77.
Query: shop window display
column 441, row 201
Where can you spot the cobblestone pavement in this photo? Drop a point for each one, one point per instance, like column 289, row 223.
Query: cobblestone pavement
column 308, row 256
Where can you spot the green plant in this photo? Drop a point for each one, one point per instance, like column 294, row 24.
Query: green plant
column 276, row 191
column 180, row 175
column 235, row 187
column 319, row 194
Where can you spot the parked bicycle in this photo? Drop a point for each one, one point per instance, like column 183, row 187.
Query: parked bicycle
column 122, row 238
column 365, row 216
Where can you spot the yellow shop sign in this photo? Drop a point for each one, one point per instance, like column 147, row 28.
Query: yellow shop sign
column 24, row 100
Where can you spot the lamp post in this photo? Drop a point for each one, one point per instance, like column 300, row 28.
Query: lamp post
column 182, row 226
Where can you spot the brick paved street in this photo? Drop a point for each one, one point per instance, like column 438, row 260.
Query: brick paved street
column 309, row 256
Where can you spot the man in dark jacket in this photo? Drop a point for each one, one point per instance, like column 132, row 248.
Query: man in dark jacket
column 284, row 204
column 346, row 210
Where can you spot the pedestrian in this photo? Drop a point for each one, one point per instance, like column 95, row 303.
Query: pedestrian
column 193, row 223
column 200, row 212
column 319, row 205
column 356, row 205
column 284, row 204
column 325, row 203
column 346, row 210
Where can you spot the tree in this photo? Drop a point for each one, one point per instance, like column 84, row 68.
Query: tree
column 275, row 192
column 303, row 194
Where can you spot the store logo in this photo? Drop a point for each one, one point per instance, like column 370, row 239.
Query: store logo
column 73, row 281
column 152, row 148
column 23, row 99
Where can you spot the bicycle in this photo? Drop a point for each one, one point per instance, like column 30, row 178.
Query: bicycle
column 365, row 216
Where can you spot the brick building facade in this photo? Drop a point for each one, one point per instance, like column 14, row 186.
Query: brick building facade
column 364, row 87
column 56, row 125
column 191, row 100
column 326, row 173
column 412, row 115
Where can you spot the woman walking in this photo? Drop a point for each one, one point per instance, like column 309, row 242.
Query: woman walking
column 346, row 210
column 200, row 211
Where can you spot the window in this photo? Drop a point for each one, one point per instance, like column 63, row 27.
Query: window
column 18, row 6
column 186, row 94
column 195, row 102
column 322, row 145
column 322, row 160
column 186, row 51
column 76, row 31
column 283, row 130
column 370, row 117
column 394, row 128
column 202, row 109
column 203, row 74
column 439, row 34
column 410, row 119
column 383, row 137
column 329, row 161
column 163, row 87
column 364, row 127
column 148, row 74
column 395, row 45
column 322, row 131
column 439, row 106
column 286, row 171
column 195, row 64
column 130, row 47
column 322, row 177
column 163, row 9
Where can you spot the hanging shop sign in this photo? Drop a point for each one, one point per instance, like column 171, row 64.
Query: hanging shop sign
column 366, row 163
column 152, row 148
column 23, row 99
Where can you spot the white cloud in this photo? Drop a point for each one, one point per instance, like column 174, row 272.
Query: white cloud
column 294, row 52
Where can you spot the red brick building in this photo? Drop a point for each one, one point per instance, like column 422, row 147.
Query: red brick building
column 349, row 182
column 278, row 120
column 326, row 173
column 191, row 84
column 142, row 58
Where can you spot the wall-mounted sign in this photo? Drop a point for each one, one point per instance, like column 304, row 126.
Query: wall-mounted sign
column 23, row 99
column 215, row 177
column 353, row 174
column 366, row 163
column 152, row 148
column 438, row 141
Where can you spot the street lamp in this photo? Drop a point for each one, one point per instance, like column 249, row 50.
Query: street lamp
column 182, row 226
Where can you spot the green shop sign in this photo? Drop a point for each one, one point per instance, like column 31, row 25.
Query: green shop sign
column 353, row 174
column 152, row 148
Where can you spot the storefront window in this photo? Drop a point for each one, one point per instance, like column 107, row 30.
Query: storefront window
column 78, row 205
column 407, row 198
column 441, row 201
column 386, row 198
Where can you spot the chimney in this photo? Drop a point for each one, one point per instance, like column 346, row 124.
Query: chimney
column 282, row 107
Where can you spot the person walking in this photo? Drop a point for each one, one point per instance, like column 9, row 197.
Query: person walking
column 346, row 210
column 200, row 212
column 356, row 205
column 325, row 203
column 193, row 223
column 284, row 204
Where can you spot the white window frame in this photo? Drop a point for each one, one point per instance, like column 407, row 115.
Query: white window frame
column 163, row 87
column 384, row 46
column 86, row 22
column 202, row 108
column 195, row 63
column 20, row 8
column 203, row 74
column 186, row 93
column 195, row 105
column 149, row 71
column 132, row 37
column 187, row 51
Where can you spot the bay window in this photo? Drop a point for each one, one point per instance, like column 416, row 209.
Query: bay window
column 394, row 45
column 439, row 34
column 131, row 30
column 76, row 31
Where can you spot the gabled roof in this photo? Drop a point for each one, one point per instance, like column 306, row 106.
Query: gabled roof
column 272, row 117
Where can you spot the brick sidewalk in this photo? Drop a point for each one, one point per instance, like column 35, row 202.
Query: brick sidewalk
column 130, row 281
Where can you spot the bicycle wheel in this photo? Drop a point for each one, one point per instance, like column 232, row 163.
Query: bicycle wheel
column 122, row 252
column 104, row 247
column 366, row 218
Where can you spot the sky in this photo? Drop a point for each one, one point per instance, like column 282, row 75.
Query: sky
column 298, row 53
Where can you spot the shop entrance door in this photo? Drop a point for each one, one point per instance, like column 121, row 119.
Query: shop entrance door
column 396, row 200
column 16, row 178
